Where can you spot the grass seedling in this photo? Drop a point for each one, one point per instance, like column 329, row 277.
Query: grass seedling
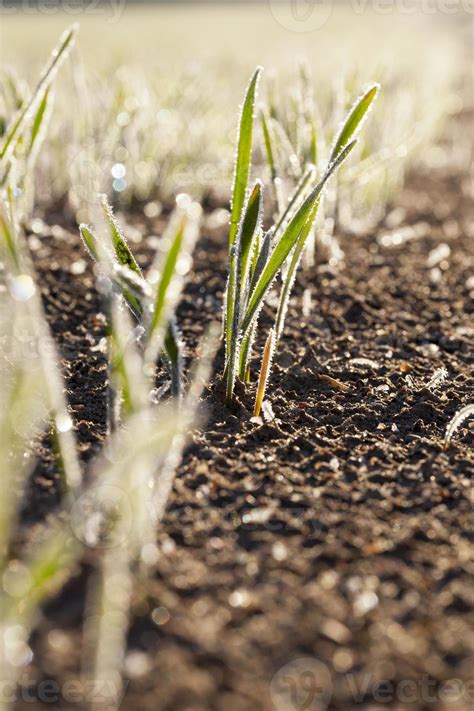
column 354, row 120
column 27, row 308
column 32, row 402
column 248, row 288
column 151, row 300
column 25, row 132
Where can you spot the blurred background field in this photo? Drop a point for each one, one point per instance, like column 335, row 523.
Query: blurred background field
column 238, row 35
column 155, row 88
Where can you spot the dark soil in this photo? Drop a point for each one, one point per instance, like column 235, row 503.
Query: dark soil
column 339, row 531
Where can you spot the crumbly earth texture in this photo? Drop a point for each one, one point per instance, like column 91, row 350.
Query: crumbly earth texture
column 333, row 538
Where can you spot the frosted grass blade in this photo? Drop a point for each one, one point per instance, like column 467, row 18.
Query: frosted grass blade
column 173, row 354
column 291, row 273
column 239, row 193
column 170, row 275
column 244, row 156
column 288, row 240
column 353, row 120
column 125, row 363
column 18, row 385
column 121, row 275
column 122, row 250
column 57, row 56
column 40, row 119
column 238, row 265
column 38, row 328
column 245, row 352
column 7, row 235
column 132, row 282
column 233, row 319
column 250, row 226
column 90, row 241
column 262, row 259
column 247, row 340
column 105, row 635
column 166, row 276
column 48, row 565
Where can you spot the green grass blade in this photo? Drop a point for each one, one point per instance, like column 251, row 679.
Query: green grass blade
column 250, row 225
column 173, row 355
column 40, row 117
column 90, row 241
column 262, row 259
column 19, row 384
column 133, row 283
column 244, row 156
column 57, row 56
column 163, row 329
column 121, row 275
column 32, row 313
column 245, row 353
column 256, row 271
column 122, row 253
column 295, row 197
column 239, row 279
column 126, row 391
column 122, row 250
column 233, row 318
column 33, row 143
column 239, row 192
column 7, row 235
column 288, row 240
column 170, row 273
column 291, row 272
column 13, row 88
column 169, row 269
column 354, row 120
column 49, row 564
column 125, row 363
